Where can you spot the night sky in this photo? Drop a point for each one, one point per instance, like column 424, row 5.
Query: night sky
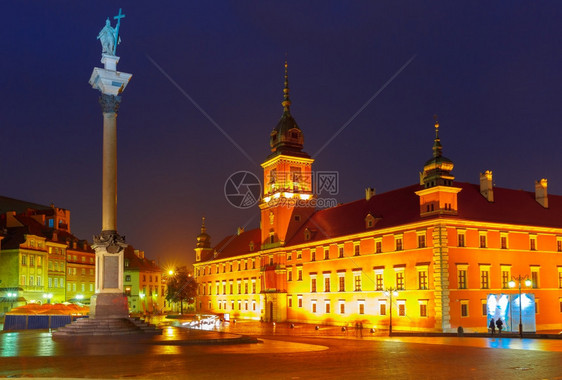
column 492, row 71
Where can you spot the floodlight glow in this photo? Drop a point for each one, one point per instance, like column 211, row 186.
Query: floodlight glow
column 511, row 284
column 304, row 197
column 528, row 283
column 266, row 199
column 276, row 195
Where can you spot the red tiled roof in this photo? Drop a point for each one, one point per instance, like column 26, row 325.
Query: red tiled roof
column 136, row 263
column 236, row 245
column 401, row 206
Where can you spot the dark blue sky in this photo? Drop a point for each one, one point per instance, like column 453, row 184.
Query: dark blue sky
column 491, row 71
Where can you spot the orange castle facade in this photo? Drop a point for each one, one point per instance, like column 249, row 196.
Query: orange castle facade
column 429, row 254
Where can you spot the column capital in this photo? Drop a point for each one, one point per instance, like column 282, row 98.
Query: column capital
column 110, row 103
column 111, row 241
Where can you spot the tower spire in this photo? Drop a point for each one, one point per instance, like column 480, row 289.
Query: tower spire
column 286, row 103
column 437, row 147
column 203, row 228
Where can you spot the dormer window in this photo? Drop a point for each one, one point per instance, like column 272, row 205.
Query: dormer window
column 369, row 221
column 251, row 246
column 306, row 234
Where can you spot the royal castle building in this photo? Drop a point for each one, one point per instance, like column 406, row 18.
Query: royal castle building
column 434, row 256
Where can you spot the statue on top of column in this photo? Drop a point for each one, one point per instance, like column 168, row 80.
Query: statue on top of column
column 109, row 36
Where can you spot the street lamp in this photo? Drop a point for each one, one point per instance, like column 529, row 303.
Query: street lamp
column 517, row 281
column 389, row 293
column 12, row 297
column 48, row 297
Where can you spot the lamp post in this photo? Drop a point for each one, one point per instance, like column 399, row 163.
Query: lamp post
column 389, row 293
column 48, row 297
column 517, row 281
column 12, row 297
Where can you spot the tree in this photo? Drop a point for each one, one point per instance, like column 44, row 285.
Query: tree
column 181, row 286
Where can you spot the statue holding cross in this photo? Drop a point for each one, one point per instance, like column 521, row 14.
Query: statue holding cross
column 109, row 36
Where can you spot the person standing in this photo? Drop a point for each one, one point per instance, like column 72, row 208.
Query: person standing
column 492, row 326
column 499, row 325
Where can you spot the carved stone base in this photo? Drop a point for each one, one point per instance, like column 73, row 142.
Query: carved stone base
column 109, row 305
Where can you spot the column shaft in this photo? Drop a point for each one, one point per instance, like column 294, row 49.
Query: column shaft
column 109, row 190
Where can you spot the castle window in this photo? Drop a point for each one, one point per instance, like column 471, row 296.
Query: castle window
column 423, row 308
column 461, row 276
column 356, row 249
column 482, row 239
column 378, row 245
column 533, row 242
column 398, row 240
column 484, row 277
column 313, row 254
column 559, row 244
column 340, row 251
column 503, row 240
column 297, row 218
column 505, row 276
column 326, row 253
column 464, row 308
column 421, row 240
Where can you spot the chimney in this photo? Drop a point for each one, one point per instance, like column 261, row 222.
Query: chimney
column 240, row 231
column 486, row 185
column 541, row 195
column 369, row 193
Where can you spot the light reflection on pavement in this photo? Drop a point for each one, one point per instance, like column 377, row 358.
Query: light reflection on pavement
column 554, row 345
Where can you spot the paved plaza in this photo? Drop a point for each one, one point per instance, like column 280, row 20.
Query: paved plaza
column 263, row 351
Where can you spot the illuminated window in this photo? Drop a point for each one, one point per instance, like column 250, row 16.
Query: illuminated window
column 357, row 281
column 299, row 274
column 31, row 260
column 422, row 279
column 378, row 246
column 231, row 286
column 218, row 288
column 464, row 308
column 423, row 308
column 326, row 283
column 460, row 238
column 533, row 242
column 232, row 305
column 254, row 305
column 506, row 276
column 245, row 305
column 503, row 240
column 461, row 276
column 313, row 305
column 356, row 249
column 299, row 298
column 342, row 306
column 327, row 306
column 379, row 279
column 239, row 305
column 246, row 287
column 289, row 256
column 23, row 260
column 484, row 277
column 253, row 286
column 290, row 274
column 128, row 278
column 299, row 255
column 399, row 278
column 401, row 307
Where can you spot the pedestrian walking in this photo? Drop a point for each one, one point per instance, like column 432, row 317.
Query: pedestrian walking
column 492, row 326
column 499, row 325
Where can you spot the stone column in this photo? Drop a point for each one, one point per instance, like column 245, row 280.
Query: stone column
column 109, row 300
column 110, row 106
